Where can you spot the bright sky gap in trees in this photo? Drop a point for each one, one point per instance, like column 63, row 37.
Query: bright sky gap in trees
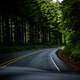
column 57, row 0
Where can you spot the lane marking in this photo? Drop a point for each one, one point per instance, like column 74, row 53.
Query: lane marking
column 5, row 64
column 55, row 64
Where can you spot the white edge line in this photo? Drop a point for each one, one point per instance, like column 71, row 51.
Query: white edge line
column 55, row 64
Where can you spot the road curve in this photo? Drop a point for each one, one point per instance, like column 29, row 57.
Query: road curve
column 39, row 59
column 45, row 59
column 38, row 65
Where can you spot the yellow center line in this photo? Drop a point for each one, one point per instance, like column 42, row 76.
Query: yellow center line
column 5, row 64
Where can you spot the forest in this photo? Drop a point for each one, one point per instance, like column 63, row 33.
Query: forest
column 29, row 22
column 41, row 23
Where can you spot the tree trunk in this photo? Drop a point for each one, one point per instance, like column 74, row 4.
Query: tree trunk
column 44, row 35
column 19, row 31
column 0, row 29
column 31, row 35
column 6, row 32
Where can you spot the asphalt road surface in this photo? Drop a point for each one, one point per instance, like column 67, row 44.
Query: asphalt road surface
column 36, row 59
column 38, row 65
column 39, row 59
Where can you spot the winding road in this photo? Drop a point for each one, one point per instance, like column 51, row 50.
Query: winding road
column 32, row 63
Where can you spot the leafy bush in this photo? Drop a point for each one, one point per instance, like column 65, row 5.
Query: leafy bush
column 67, row 52
column 76, row 53
column 75, row 56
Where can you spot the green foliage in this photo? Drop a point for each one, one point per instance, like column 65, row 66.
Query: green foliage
column 76, row 54
column 71, row 20
column 71, row 13
column 43, row 12
column 69, row 34
column 67, row 51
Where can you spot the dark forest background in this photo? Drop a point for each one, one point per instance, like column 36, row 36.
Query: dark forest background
column 39, row 23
